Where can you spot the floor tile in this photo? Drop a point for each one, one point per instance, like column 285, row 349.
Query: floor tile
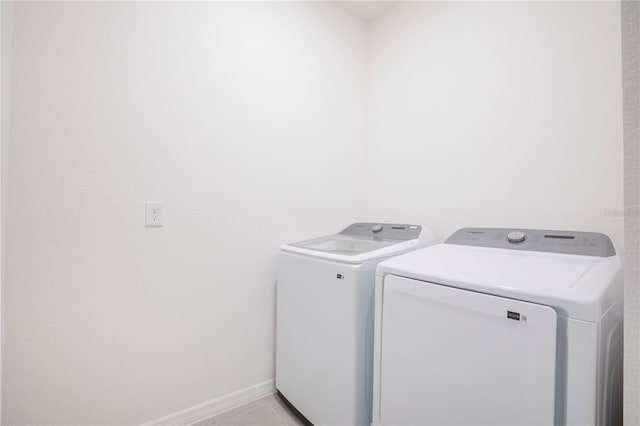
column 207, row 422
column 284, row 412
column 257, row 416
column 267, row 411
column 246, row 407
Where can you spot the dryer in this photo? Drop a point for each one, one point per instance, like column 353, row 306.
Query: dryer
column 500, row 327
column 324, row 330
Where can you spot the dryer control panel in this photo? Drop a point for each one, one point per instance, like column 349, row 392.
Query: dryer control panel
column 567, row 242
column 383, row 231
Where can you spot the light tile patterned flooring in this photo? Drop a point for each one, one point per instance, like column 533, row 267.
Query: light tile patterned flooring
column 267, row 411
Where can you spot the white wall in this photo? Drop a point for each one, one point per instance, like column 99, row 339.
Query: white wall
column 246, row 119
column 6, row 31
column 497, row 114
column 631, row 89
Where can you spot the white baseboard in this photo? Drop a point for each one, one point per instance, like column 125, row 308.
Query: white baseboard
column 216, row 406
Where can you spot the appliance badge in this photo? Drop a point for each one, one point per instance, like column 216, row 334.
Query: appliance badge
column 339, row 276
column 516, row 316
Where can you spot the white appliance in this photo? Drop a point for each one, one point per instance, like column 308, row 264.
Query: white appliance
column 500, row 327
column 324, row 335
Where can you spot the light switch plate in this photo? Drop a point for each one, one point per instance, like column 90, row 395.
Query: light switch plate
column 153, row 213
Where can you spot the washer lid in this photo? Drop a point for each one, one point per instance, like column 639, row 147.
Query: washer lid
column 347, row 245
column 577, row 286
column 364, row 241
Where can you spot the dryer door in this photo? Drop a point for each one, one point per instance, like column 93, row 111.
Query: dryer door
column 457, row 357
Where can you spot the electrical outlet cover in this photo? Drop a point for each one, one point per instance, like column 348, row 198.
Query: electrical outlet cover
column 153, row 213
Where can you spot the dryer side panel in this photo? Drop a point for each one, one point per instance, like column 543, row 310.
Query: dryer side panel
column 452, row 357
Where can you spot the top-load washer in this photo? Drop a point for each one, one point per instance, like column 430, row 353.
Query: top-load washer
column 324, row 335
column 500, row 327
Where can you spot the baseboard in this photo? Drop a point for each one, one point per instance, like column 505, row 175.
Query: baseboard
column 216, row 406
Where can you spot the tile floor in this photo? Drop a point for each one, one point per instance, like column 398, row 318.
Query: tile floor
column 267, row 411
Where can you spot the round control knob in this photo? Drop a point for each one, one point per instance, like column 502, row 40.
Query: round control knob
column 516, row 237
column 376, row 228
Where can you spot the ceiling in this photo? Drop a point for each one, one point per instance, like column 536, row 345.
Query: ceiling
column 367, row 10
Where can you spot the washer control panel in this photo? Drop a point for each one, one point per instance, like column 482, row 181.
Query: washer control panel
column 382, row 231
column 567, row 242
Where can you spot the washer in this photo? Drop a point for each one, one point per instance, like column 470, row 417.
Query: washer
column 500, row 327
column 324, row 335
